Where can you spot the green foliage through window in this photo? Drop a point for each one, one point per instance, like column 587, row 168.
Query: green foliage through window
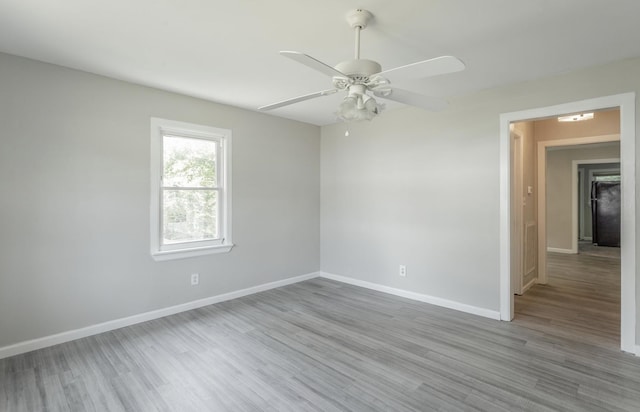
column 190, row 196
column 189, row 162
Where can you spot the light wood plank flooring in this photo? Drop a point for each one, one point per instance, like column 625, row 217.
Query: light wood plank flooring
column 322, row 346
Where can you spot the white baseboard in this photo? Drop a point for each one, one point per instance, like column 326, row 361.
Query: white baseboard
column 462, row 307
column 39, row 343
column 559, row 250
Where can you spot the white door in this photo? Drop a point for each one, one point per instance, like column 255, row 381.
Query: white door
column 517, row 211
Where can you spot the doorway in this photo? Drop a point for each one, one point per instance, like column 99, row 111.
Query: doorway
column 580, row 299
column 626, row 104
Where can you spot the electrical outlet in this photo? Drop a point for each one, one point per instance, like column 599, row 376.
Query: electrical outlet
column 195, row 279
column 403, row 271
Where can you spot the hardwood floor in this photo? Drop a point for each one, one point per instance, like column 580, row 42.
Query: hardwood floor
column 581, row 301
column 323, row 346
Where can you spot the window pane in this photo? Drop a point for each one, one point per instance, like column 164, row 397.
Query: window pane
column 612, row 178
column 189, row 162
column 189, row 215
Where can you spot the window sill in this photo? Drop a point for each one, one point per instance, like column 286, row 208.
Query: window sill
column 191, row 252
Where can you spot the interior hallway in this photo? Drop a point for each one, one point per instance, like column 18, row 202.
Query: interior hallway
column 581, row 301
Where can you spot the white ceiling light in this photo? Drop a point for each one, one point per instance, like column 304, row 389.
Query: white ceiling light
column 358, row 105
column 362, row 79
column 576, row 117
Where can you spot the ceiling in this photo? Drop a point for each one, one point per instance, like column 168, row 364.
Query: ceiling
column 227, row 51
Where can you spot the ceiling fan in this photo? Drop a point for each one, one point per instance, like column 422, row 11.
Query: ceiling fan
column 359, row 76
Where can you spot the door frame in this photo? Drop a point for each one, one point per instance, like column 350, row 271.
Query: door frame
column 580, row 212
column 626, row 102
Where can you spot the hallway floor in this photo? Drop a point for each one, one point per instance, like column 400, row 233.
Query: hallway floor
column 581, row 301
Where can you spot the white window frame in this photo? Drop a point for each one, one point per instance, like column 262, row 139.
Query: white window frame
column 222, row 138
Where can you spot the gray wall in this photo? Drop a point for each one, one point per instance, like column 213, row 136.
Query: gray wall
column 417, row 189
column 559, row 190
column 422, row 189
column 74, row 203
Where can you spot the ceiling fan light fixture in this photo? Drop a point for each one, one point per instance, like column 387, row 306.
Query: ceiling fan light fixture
column 357, row 107
column 371, row 105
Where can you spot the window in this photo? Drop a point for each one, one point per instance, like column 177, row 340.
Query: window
column 612, row 175
column 190, row 190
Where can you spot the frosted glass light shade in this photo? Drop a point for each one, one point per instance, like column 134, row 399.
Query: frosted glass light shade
column 356, row 107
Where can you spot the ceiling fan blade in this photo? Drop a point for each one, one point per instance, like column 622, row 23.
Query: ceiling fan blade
column 425, row 68
column 313, row 63
column 415, row 99
column 298, row 99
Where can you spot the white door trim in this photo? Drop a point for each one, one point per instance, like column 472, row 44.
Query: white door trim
column 627, row 104
column 574, row 195
column 580, row 198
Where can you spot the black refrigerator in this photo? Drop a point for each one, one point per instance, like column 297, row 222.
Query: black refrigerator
column 605, row 213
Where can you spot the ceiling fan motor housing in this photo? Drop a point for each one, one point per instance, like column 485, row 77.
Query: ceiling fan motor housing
column 359, row 68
